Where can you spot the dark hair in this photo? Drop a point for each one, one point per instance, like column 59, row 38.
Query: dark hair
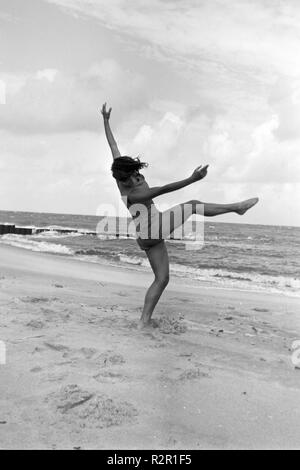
column 123, row 167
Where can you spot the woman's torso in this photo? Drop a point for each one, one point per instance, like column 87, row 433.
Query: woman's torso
column 144, row 214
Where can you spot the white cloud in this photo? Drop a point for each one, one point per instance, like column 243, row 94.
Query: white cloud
column 55, row 172
column 252, row 35
column 48, row 74
column 285, row 100
column 143, row 137
column 2, row 92
column 49, row 101
column 6, row 17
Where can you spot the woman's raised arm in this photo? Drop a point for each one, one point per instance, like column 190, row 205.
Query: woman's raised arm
column 109, row 135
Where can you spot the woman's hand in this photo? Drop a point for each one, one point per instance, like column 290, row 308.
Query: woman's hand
column 105, row 114
column 199, row 173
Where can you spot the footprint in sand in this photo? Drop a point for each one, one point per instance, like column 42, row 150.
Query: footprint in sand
column 115, row 321
column 109, row 377
column 55, row 377
column 88, row 353
column 35, row 300
column 36, row 369
column 57, row 347
column 88, row 409
column 72, row 353
column 259, row 309
column 104, row 359
column 122, row 294
column 171, row 325
column 191, row 374
column 51, row 315
column 109, row 358
column 36, row 324
column 79, row 354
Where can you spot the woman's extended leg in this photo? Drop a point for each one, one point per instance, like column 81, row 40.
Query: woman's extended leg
column 159, row 261
column 179, row 214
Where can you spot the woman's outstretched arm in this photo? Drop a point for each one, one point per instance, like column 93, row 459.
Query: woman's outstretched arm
column 137, row 195
column 109, row 135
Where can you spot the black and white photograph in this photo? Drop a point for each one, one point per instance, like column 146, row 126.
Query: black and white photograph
column 149, row 227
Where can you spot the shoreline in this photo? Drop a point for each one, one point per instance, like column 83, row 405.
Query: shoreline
column 189, row 282
column 215, row 374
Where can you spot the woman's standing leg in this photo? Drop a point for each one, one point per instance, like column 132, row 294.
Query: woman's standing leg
column 158, row 254
column 159, row 261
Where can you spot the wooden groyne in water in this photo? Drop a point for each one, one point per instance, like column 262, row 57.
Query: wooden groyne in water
column 6, row 228
column 11, row 228
column 14, row 229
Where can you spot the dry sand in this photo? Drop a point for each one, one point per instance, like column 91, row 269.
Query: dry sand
column 215, row 373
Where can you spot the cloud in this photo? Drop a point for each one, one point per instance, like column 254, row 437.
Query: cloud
column 55, row 172
column 49, row 101
column 6, row 17
column 2, row 92
column 234, row 57
column 246, row 35
column 204, row 82
column 70, row 172
column 285, row 100
column 48, row 74
column 177, row 143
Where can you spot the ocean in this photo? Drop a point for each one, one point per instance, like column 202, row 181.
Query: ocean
column 234, row 256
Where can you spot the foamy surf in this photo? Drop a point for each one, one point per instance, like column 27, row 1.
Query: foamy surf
column 228, row 279
column 233, row 256
column 53, row 234
column 286, row 285
column 131, row 260
column 22, row 241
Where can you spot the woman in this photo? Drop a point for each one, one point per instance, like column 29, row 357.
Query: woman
column 138, row 197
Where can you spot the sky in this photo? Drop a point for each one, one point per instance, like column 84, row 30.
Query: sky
column 190, row 82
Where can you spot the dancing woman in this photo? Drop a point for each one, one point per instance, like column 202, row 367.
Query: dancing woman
column 136, row 192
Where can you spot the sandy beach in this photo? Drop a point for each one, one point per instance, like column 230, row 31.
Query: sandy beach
column 216, row 373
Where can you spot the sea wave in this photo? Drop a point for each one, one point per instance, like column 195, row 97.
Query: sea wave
column 53, row 234
column 22, row 241
column 131, row 260
column 57, row 228
column 225, row 278
column 235, row 278
column 245, row 280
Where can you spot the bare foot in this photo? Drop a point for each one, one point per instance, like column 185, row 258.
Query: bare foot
column 245, row 205
column 142, row 324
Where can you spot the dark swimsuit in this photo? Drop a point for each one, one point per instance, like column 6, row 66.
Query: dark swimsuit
column 149, row 222
column 153, row 224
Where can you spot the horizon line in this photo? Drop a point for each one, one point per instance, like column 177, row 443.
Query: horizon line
column 94, row 215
